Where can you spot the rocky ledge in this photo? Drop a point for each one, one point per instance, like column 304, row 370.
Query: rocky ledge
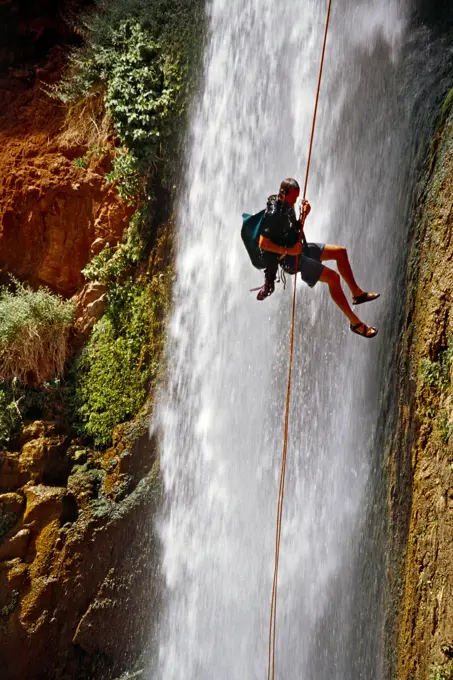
column 77, row 549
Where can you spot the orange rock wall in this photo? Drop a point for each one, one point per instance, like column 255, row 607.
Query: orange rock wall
column 51, row 211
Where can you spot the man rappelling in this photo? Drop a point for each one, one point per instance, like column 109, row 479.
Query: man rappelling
column 272, row 238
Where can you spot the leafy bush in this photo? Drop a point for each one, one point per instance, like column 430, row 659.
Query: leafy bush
column 34, row 328
column 139, row 92
column 140, row 57
column 429, row 372
column 126, row 176
column 144, row 54
column 121, row 359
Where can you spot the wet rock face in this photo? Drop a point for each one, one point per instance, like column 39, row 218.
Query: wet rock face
column 421, row 466
column 77, row 556
column 434, row 13
column 435, row 16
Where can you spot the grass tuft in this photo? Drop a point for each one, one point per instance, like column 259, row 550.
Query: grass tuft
column 34, row 328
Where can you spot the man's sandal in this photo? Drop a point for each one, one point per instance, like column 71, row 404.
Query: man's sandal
column 363, row 330
column 364, row 297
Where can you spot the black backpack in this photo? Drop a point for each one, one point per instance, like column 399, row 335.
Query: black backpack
column 250, row 234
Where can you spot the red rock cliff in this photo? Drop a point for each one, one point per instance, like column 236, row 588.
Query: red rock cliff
column 51, row 211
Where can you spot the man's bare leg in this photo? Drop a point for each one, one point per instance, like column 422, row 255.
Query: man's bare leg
column 340, row 255
column 332, row 279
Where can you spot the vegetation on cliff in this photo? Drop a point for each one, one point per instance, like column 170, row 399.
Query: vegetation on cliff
column 121, row 361
column 140, row 55
column 421, row 466
column 34, row 328
column 135, row 69
column 34, row 334
column 89, row 187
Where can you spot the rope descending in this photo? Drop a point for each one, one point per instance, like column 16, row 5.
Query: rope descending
column 281, row 492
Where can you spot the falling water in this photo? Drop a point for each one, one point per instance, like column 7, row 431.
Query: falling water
column 221, row 411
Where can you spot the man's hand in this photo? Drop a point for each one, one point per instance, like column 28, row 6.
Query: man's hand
column 295, row 250
column 305, row 209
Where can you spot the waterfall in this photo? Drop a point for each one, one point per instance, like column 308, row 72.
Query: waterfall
column 220, row 415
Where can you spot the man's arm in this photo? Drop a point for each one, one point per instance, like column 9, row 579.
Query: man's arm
column 266, row 244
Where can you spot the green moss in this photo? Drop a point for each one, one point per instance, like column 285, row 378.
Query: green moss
column 148, row 490
column 445, row 426
column 7, row 521
column 436, row 374
column 101, row 508
column 120, row 362
column 446, row 106
column 442, row 672
column 8, row 609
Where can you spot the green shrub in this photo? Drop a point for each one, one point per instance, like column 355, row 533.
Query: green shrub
column 145, row 55
column 117, row 367
column 429, row 372
column 437, row 373
column 34, row 328
column 125, row 175
column 139, row 93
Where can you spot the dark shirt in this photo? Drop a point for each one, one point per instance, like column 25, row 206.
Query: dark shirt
column 280, row 224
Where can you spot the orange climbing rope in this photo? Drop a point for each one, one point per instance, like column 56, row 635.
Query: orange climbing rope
column 281, row 492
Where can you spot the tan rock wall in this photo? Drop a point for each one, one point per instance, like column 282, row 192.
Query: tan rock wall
column 421, row 463
column 77, row 560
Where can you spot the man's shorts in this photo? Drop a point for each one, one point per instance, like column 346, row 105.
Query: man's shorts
column 310, row 266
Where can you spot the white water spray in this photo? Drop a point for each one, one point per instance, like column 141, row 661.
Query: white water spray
column 221, row 415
